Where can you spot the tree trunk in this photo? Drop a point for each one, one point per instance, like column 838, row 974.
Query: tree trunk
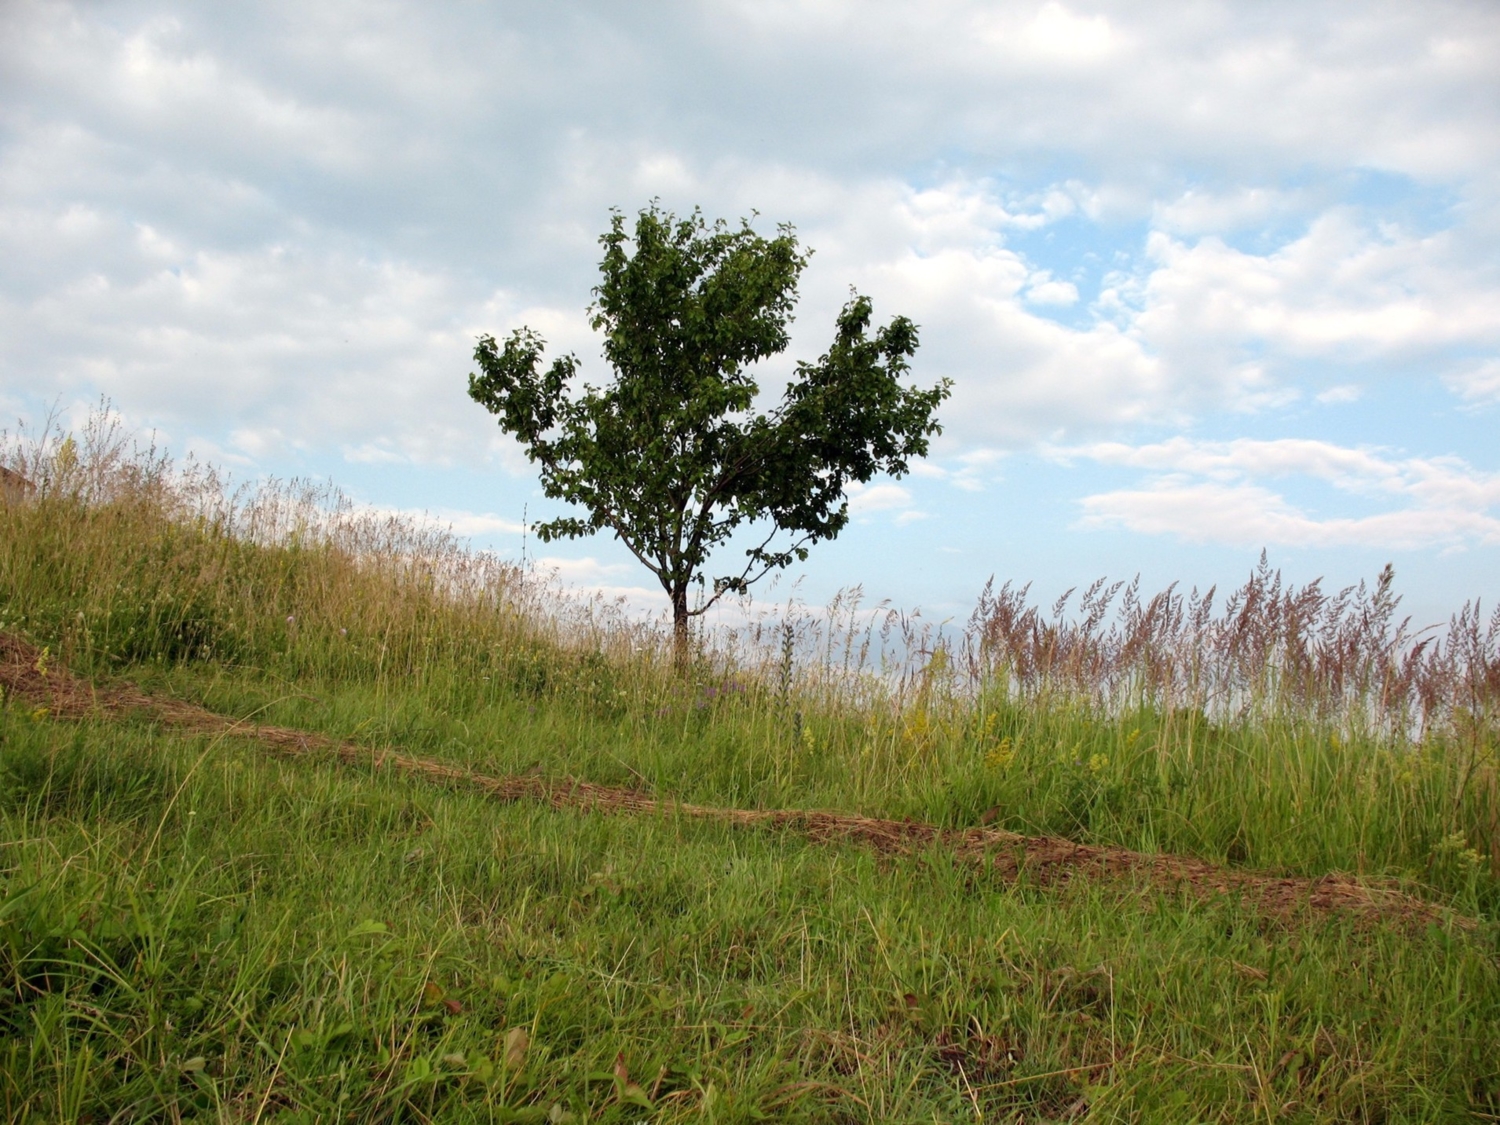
column 681, row 638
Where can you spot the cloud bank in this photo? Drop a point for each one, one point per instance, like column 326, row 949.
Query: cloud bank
column 1209, row 492
column 274, row 231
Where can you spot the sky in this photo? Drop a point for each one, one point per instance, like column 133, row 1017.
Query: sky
column 1210, row 279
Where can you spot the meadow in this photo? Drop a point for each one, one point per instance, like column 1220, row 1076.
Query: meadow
column 193, row 927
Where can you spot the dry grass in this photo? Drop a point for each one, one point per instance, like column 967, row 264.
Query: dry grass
column 159, row 561
column 1270, row 651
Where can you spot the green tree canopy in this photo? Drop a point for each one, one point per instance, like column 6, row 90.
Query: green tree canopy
column 672, row 455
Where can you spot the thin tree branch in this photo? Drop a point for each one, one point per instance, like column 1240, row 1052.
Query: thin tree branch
column 741, row 581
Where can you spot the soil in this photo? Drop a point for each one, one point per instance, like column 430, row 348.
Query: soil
column 27, row 675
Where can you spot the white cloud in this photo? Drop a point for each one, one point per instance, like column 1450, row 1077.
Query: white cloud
column 1057, row 34
column 970, row 471
column 1199, row 212
column 939, row 256
column 282, row 226
column 1477, row 382
column 296, row 346
column 581, row 571
column 461, row 523
column 1146, row 87
column 867, row 498
column 1199, row 326
column 1344, row 392
column 1340, row 288
column 1251, row 516
column 469, row 524
column 1041, row 289
column 976, row 468
column 592, row 578
column 1210, row 492
column 1232, row 328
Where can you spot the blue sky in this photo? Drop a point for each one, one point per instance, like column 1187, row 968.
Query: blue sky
column 1209, row 278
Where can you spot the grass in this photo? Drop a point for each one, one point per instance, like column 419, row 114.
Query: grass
column 192, row 930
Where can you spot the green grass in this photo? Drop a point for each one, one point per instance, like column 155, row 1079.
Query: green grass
column 190, row 929
column 1286, row 798
column 193, row 929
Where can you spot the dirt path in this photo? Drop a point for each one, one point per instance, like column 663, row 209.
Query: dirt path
column 25, row 673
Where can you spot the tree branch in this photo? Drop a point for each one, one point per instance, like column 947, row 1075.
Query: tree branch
column 742, row 582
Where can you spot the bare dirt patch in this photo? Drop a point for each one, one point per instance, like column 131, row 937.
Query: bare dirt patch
column 27, row 674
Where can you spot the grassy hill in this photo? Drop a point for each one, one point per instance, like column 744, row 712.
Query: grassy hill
column 200, row 921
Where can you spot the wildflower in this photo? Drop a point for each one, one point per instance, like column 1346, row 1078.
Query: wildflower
column 290, row 618
column 1000, row 755
column 918, row 730
column 1098, row 763
column 1457, row 848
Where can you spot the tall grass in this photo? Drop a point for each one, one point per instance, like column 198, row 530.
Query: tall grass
column 119, row 556
column 1273, row 652
column 1282, row 727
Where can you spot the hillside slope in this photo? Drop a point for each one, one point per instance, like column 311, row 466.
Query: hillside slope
column 194, row 927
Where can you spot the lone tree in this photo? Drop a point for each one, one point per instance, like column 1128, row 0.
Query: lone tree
column 671, row 455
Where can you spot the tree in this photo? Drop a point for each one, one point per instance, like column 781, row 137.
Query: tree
column 671, row 456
